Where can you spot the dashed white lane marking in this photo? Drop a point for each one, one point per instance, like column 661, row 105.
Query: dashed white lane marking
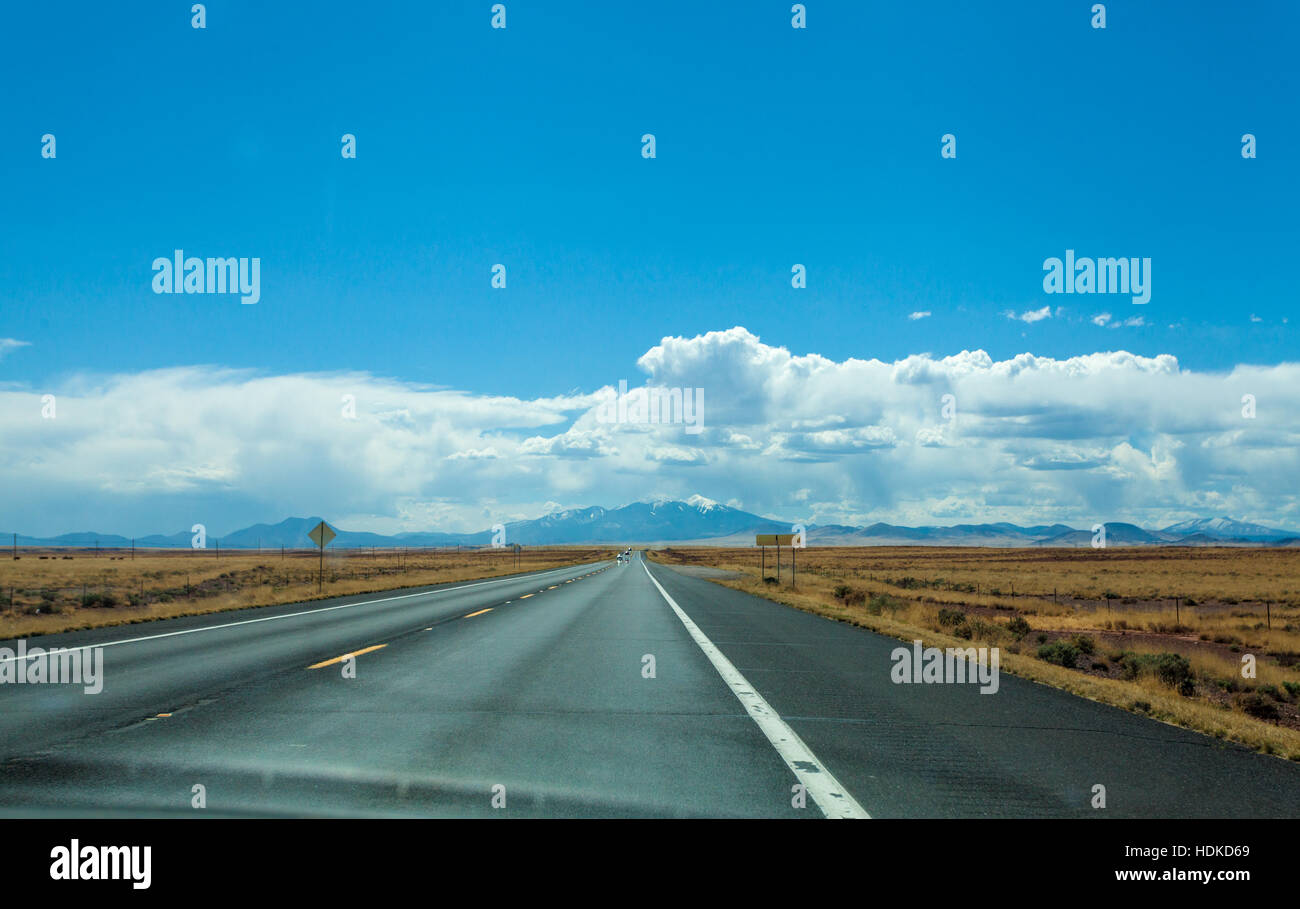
column 290, row 615
column 831, row 797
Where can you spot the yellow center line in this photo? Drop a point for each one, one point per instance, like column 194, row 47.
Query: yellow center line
column 340, row 659
column 525, row 596
column 480, row 612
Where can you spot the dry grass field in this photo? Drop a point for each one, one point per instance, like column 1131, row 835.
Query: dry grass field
column 1162, row 631
column 50, row 590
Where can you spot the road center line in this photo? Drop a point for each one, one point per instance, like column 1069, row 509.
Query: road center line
column 340, row 659
column 289, row 615
column 480, row 612
column 831, row 797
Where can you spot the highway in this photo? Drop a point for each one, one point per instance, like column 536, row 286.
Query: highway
column 601, row 690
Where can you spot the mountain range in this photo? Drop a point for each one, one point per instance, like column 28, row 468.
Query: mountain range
column 703, row 521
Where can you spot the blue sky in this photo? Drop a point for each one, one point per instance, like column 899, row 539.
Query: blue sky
column 521, row 146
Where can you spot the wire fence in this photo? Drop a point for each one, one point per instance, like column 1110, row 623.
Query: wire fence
column 275, row 570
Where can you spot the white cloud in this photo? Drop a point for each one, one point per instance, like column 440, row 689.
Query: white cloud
column 919, row 315
column 11, row 344
column 1034, row 315
column 1101, row 319
column 1102, row 436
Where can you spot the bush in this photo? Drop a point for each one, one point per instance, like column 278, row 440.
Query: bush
column 1062, row 653
column 1085, row 644
column 99, row 601
column 1019, row 627
column 951, row 617
column 1170, row 669
column 1260, row 706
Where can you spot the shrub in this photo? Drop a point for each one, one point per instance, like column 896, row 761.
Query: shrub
column 1085, row 644
column 1260, row 706
column 1019, row 627
column 99, row 601
column 951, row 617
column 1170, row 669
column 1062, row 653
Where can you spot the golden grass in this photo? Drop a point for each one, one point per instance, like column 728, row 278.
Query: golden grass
column 903, row 590
column 51, row 594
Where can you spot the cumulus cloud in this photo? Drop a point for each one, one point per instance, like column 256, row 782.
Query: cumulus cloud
column 1102, row 436
column 1035, row 315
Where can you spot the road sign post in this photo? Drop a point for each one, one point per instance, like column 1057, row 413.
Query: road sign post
column 321, row 534
column 763, row 540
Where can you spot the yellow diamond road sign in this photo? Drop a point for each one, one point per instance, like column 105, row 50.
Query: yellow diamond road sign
column 321, row 534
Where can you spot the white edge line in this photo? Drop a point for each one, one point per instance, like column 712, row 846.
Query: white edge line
column 818, row 781
column 272, row 618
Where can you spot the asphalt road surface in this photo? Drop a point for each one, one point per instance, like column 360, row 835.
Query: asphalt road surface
column 595, row 691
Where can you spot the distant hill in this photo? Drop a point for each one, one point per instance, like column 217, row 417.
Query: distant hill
column 703, row 521
column 1228, row 529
